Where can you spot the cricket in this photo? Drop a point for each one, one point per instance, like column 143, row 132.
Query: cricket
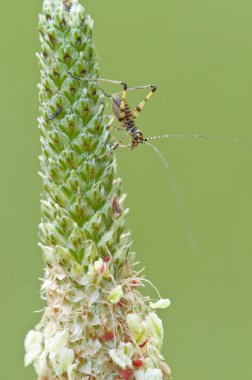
column 127, row 116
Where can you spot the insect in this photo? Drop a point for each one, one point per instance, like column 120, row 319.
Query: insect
column 127, row 120
column 55, row 114
column 122, row 111
column 116, row 205
column 127, row 116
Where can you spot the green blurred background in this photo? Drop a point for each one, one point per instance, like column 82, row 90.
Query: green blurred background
column 199, row 53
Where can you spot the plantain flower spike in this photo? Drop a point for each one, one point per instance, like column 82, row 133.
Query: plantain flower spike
column 93, row 310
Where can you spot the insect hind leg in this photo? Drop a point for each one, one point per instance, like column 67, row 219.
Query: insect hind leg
column 141, row 105
column 112, row 81
column 119, row 143
column 96, row 79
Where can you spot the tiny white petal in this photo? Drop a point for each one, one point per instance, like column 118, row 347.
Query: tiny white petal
column 94, row 320
column 54, row 360
column 60, row 361
column 127, row 349
column 99, row 266
column 66, row 357
column 153, row 374
column 32, row 354
column 136, row 327
column 33, row 346
column 161, row 304
column 32, row 337
column 122, row 355
column 49, row 252
column 139, row 375
column 84, row 280
column 116, row 357
column 58, row 341
column 115, row 294
column 60, row 273
column 94, row 296
column 86, row 367
column 70, row 371
column 165, row 369
column 40, row 363
column 155, row 328
column 154, row 353
column 149, row 374
column 120, row 359
column 77, row 329
column 76, row 295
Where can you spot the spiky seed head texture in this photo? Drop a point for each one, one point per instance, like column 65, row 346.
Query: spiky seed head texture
column 96, row 325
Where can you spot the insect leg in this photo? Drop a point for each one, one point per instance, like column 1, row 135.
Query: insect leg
column 112, row 128
column 122, row 105
column 96, row 79
column 117, row 144
column 141, row 105
column 112, row 81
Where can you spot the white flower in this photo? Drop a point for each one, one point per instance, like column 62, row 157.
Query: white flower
column 33, row 346
column 100, row 266
column 49, row 330
column 139, row 375
column 40, row 363
column 59, row 341
column 160, row 304
column 61, row 360
column 149, row 374
column 32, row 337
column 154, row 354
column 122, row 355
column 127, row 348
column 155, row 329
column 49, row 252
column 136, row 327
column 70, row 371
column 165, row 369
column 115, row 294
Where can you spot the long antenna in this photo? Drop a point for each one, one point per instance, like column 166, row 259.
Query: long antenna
column 180, row 205
column 111, row 81
column 197, row 136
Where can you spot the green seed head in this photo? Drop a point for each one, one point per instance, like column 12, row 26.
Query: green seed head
column 85, row 331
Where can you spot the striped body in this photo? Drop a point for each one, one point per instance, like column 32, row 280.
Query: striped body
column 127, row 121
column 122, row 110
